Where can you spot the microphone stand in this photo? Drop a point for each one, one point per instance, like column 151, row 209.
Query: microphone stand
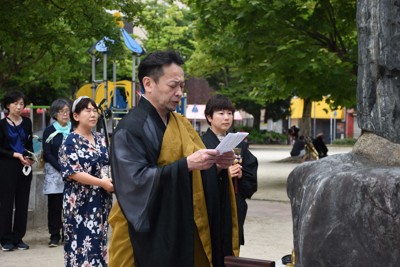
column 103, row 116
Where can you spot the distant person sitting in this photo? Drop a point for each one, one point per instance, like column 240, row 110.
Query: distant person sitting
column 293, row 133
column 320, row 146
column 298, row 149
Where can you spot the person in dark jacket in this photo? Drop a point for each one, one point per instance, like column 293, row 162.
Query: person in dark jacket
column 16, row 149
column 320, row 146
column 53, row 185
column 219, row 114
column 298, row 149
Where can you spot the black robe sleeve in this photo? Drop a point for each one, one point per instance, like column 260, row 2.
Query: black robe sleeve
column 247, row 185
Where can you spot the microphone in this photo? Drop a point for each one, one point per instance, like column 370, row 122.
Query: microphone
column 106, row 113
column 101, row 103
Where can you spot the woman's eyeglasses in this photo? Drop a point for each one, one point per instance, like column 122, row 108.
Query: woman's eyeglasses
column 63, row 112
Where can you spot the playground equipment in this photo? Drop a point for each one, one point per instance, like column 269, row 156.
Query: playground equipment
column 119, row 105
column 119, row 96
column 122, row 90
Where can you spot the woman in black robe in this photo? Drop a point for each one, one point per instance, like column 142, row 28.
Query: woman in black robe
column 219, row 114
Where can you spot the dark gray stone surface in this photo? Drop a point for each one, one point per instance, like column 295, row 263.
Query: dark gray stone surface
column 346, row 208
column 378, row 89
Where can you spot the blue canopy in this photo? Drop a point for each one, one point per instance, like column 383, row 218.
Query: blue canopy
column 131, row 43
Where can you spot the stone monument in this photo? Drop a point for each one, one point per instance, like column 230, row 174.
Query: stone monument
column 346, row 207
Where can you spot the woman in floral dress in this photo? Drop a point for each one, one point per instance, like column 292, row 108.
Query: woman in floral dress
column 84, row 165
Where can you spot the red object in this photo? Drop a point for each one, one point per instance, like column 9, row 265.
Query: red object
column 40, row 110
column 350, row 123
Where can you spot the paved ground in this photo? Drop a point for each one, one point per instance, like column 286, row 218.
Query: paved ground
column 268, row 227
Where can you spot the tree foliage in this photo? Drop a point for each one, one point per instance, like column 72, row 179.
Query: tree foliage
column 43, row 44
column 171, row 30
column 278, row 48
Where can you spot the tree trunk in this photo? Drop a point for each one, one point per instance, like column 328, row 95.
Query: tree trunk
column 305, row 122
column 257, row 118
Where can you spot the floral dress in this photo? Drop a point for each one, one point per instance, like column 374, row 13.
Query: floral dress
column 85, row 207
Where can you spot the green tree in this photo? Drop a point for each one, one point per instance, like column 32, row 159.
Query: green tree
column 43, row 44
column 171, row 30
column 281, row 48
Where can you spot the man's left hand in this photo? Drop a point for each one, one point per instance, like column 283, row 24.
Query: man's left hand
column 225, row 160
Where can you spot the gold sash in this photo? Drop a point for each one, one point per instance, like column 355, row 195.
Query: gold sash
column 180, row 140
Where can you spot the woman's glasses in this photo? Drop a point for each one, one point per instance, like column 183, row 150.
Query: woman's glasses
column 63, row 112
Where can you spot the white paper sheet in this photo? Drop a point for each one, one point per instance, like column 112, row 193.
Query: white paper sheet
column 231, row 141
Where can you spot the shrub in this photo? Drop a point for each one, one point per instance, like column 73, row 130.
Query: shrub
column 344, row 142
column 264, row 137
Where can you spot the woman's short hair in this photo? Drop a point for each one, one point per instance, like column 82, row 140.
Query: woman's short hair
column 12, row 97
column 218, row 103
column 58, row 105
column 80, row 104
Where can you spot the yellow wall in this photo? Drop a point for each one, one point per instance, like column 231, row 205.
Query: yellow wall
column 320, row 110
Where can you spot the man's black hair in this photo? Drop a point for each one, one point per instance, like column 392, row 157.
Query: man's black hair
column 152, row 65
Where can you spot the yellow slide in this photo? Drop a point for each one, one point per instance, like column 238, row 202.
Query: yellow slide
column 124, row 85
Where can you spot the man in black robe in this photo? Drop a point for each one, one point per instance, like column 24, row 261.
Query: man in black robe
column 156, row 161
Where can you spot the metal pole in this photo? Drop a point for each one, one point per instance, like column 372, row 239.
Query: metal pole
column 330, row 131
column 93, row 76
column 115, row 83
column 133, row 80
column 334, row 125
column 288, row 127
column 315, row 120
column 345, row 122
column 43, row 118
column 105, row 79
column 31, row 112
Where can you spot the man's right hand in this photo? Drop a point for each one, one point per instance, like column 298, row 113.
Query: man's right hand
column 202, row 159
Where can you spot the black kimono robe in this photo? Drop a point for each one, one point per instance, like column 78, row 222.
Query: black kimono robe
column 157, row 201
column 247, row 185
